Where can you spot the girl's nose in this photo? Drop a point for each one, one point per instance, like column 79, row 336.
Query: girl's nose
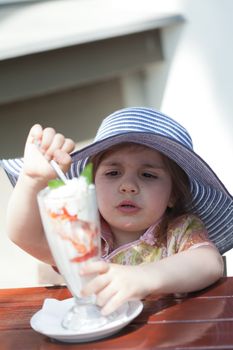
column 128, row 187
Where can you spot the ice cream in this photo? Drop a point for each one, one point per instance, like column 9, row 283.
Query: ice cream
column 70, row 217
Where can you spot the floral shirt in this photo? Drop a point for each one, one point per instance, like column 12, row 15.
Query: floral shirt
column 184, row 232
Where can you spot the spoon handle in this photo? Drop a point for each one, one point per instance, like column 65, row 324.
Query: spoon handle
column 58, row 170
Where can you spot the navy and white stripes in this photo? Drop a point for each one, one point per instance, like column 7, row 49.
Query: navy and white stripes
column 140, row 119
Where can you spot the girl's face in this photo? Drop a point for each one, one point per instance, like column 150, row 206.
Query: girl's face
column 133, row 190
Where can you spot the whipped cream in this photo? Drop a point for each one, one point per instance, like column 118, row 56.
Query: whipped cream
column 76, row 197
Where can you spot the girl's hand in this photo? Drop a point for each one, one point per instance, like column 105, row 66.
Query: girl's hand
column 42, row 145
column 115, row 284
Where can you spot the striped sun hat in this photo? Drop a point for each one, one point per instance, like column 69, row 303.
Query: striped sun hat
column 211, row 200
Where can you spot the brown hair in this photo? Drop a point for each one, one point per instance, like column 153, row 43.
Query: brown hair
column 181, row 194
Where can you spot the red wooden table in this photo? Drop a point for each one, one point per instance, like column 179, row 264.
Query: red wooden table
column 203, row 320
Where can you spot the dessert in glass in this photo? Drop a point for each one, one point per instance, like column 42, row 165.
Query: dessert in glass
column 71, row 223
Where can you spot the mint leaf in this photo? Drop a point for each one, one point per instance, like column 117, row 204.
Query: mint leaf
column 55, row 183
column 88, row 173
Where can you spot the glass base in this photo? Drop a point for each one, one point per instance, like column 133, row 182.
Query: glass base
column 84, row 317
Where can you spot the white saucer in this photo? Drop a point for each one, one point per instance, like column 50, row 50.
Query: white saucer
column 47, row 321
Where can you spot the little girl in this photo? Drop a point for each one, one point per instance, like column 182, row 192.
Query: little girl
column 165, row 215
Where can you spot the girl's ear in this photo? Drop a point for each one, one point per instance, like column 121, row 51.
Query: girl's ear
column 171, row 202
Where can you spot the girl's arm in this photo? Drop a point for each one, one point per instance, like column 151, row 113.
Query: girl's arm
column 187, row 271
column 24, row 226
column 23, row 221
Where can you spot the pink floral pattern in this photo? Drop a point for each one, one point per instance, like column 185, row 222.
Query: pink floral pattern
column 183, row 233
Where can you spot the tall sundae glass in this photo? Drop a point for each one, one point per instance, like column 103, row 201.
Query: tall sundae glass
column 71, row 223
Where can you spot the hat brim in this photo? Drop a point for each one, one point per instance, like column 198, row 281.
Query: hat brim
column 186, row 158
column 211, row 200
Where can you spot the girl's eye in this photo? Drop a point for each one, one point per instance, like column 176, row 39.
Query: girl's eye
column 149, row 175
column 112, row 173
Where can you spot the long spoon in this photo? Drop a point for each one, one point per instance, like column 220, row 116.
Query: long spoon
column 58, row 170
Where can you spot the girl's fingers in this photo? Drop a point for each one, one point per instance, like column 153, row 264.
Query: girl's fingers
column 63, row 159
column 104, row 295
column 101, row 279
column 35, row 133
column 56, row 143
column 60, row 149
column 113, row 303
column 97, row 267
column 68, row 145
column 47, row 139
column 96, row 285
column 46, row 144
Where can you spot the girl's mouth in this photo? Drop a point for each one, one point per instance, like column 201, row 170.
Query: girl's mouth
column 128, row 207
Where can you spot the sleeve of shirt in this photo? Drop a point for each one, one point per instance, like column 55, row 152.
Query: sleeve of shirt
column 187, row 232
